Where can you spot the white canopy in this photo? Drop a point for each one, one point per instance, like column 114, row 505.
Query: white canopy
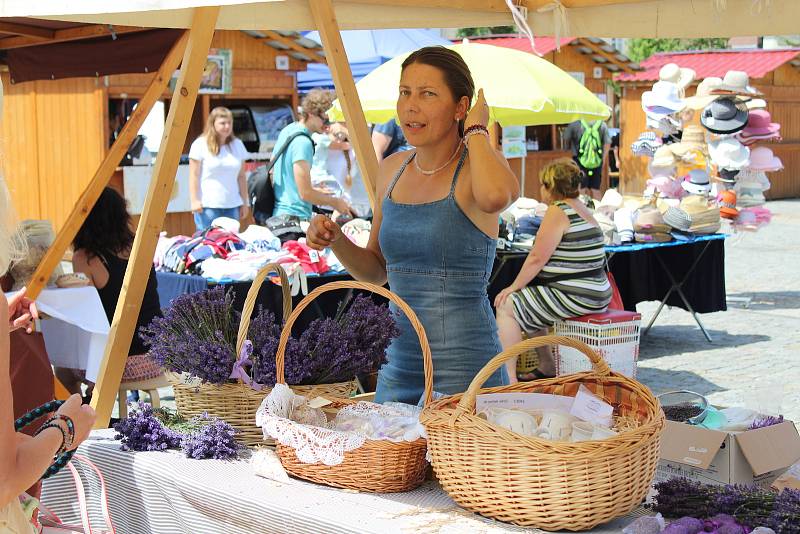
column 583, row 18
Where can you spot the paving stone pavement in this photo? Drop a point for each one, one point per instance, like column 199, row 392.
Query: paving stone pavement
column 754, row 359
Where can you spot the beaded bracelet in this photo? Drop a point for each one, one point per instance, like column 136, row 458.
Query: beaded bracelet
column 65, row 441
column 475, row 129
column 67, row 420
column 62, row 459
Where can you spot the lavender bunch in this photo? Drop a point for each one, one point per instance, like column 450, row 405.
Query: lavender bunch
column 264, row 333
column 215, row 439
column 367, row 331
column 143, row 431
column 764, row 422
column 196, row 335
column 679, row 497
column 785, row 516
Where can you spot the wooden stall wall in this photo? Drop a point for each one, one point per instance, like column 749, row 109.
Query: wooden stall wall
column 632, row 169
column 53, row 134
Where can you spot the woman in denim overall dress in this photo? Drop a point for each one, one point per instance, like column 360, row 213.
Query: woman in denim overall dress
column 434, row 230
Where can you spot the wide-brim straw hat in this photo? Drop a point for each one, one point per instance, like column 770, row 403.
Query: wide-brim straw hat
column 725, row 115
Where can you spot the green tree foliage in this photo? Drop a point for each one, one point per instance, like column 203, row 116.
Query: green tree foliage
column 480, row 32
column 641, row 49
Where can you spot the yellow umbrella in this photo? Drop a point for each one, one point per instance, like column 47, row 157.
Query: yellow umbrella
column 521, row 89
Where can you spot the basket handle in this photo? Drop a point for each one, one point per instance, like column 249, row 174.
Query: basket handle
column 427, row 360
column 252, row 295
column 467, row 402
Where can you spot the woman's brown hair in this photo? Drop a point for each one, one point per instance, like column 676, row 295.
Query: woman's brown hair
column 455, row 70
column 561, row 177
column 210, row 134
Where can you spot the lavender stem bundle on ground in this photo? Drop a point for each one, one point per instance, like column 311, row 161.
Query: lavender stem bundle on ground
column 751, row 506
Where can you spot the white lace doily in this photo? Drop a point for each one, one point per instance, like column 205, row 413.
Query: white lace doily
column 288, row 419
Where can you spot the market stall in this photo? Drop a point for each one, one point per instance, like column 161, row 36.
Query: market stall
column 509, row 467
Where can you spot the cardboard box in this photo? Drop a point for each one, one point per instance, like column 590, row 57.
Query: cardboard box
column 715, row 457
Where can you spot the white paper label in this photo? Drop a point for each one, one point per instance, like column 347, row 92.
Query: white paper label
column 590, row 408
column 523, row 401
column 313, row 255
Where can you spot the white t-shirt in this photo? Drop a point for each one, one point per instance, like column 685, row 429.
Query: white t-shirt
column 219, row 187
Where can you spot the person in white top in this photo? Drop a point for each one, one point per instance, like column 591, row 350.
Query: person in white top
column 217, row 183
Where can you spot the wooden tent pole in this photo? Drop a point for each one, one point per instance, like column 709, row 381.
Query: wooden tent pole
column 103, row 174
column 155, row 208
column 325, row 19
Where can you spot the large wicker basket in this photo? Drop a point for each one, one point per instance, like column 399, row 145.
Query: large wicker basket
column 237, row 403
column 546, row 484
column 377, row 466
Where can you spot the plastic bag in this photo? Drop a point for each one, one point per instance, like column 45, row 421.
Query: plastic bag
column 646, row 525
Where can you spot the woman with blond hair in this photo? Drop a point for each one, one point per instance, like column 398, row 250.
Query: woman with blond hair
column 23, row 459
column 564, row 274
column 217, row 183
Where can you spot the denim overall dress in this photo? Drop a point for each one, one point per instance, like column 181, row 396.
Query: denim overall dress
column 439, row 262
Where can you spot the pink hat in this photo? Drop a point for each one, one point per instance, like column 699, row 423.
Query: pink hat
column 760, row 123
column 762, row 159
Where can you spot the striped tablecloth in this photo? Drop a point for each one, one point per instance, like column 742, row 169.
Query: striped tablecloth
column 164, row 492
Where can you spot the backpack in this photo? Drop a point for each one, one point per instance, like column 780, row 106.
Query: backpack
column 259, row 183
column 590, row 150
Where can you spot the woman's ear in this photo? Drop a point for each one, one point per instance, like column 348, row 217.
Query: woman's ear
column 462, row 108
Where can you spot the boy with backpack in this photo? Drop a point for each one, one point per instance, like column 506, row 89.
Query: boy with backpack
column 589, row 143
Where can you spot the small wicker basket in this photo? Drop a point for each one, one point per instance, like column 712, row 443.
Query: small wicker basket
column 237, row 403
column 377, row 466
column 533, row 482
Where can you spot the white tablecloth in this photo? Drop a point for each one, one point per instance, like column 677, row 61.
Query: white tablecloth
column 164, row 492
column 77, row 332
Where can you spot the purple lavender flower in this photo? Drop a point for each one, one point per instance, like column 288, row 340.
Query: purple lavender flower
column 142, row 431
column 329, row 350
column 196, row 335
column 764, row 422
column 785, row 516
column 214, row 440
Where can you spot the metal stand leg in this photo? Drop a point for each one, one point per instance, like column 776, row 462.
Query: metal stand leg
column 677, row 287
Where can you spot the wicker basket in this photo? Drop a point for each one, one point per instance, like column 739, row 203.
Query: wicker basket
column 546, row 484
column 377, row 466
column 237, row 403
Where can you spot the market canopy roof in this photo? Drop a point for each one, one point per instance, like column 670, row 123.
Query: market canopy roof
column 756, row 63
column 366, row 50
column 583, row 18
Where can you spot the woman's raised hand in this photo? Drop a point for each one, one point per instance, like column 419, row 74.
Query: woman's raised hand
column 82, row 416
column 322, row 232
column 479, row 113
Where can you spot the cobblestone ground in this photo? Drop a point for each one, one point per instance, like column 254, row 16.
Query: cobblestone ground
column 754, row 359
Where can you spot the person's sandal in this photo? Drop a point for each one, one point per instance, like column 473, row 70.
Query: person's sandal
column 536, row 374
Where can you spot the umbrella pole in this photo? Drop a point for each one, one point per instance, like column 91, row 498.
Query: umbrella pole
column 123, row 325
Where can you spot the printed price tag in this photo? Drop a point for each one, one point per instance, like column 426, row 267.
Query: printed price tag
column 313, row 255
column 591, row 408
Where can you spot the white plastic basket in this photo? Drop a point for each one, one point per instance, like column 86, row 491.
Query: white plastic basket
column 613, row 334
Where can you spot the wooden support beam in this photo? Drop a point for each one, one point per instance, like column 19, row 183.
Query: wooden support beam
column 325, row 19
column 58, row 250
column 602, row 53
column 292, row 44
column 69, row 34
column 26, row 30
column 155, row 208
column 205, row 104
column 103, row 174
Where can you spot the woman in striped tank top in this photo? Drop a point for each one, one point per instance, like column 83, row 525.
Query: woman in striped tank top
column 564, row 274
